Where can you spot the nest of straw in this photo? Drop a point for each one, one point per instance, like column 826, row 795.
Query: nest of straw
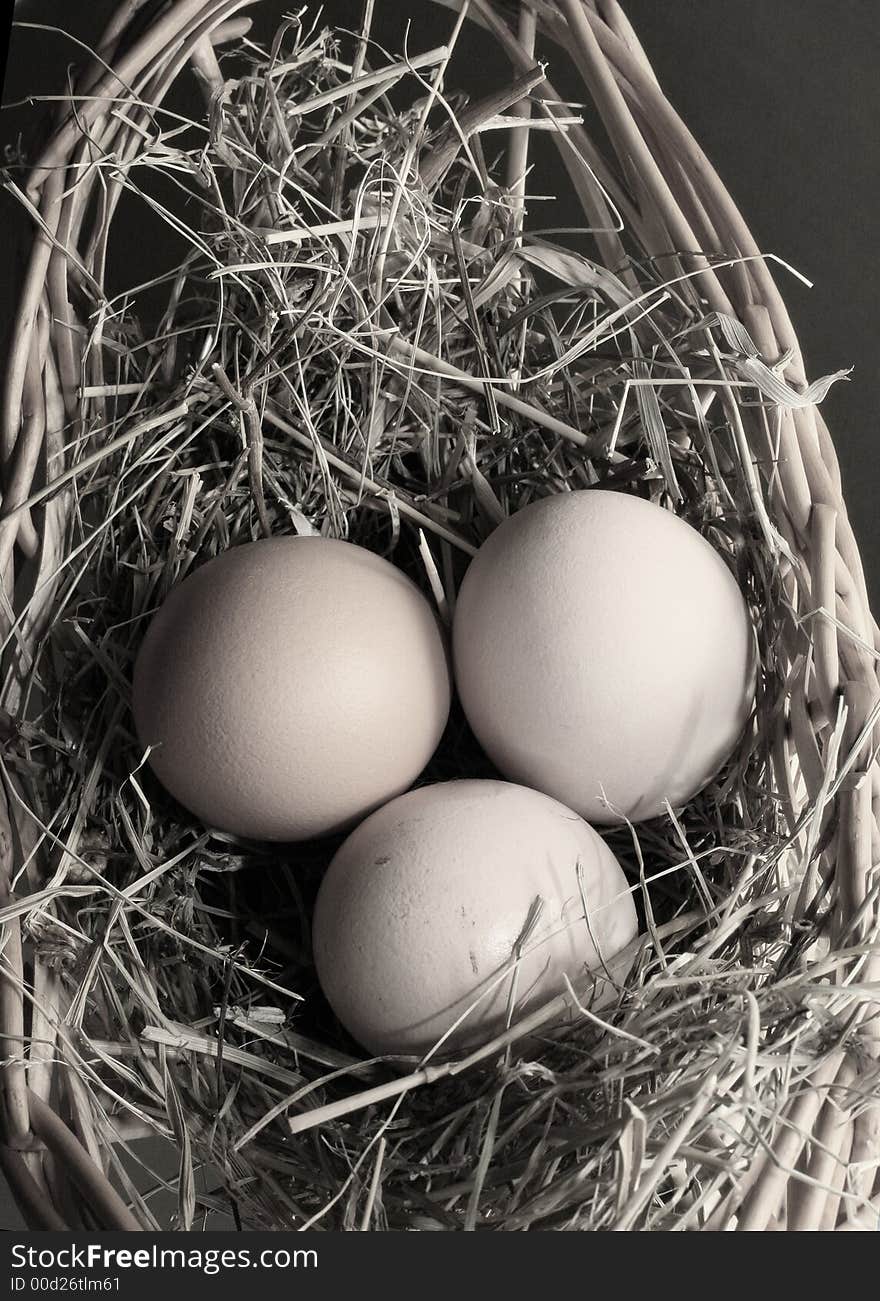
column 364, row 338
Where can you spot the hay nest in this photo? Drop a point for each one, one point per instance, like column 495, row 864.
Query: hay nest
column 365, row 339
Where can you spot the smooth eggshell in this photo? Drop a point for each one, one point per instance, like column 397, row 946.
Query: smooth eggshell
column 603, row 654
column 291, row 685
column 421, row 911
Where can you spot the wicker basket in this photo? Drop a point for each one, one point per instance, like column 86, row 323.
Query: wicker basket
column 815, row 1162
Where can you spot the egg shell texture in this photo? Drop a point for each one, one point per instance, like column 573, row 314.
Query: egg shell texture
column 422, row 909
column 604, row 654
column 290, row 686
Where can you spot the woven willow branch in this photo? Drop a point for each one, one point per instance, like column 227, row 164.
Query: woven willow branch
column 56, row 1141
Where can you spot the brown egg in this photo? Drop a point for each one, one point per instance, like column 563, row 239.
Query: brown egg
column 603, row 654
column 427, row 905
column 289, row 686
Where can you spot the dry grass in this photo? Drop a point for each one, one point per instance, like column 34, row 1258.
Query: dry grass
column 361, row 341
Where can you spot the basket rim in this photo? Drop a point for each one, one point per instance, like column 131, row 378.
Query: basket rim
column 834, row 692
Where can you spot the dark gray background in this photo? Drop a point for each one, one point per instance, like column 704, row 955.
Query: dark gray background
column 783, row 94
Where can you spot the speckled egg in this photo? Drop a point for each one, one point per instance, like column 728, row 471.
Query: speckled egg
column 603, row 653
column 289, row 686
column 458, row 900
